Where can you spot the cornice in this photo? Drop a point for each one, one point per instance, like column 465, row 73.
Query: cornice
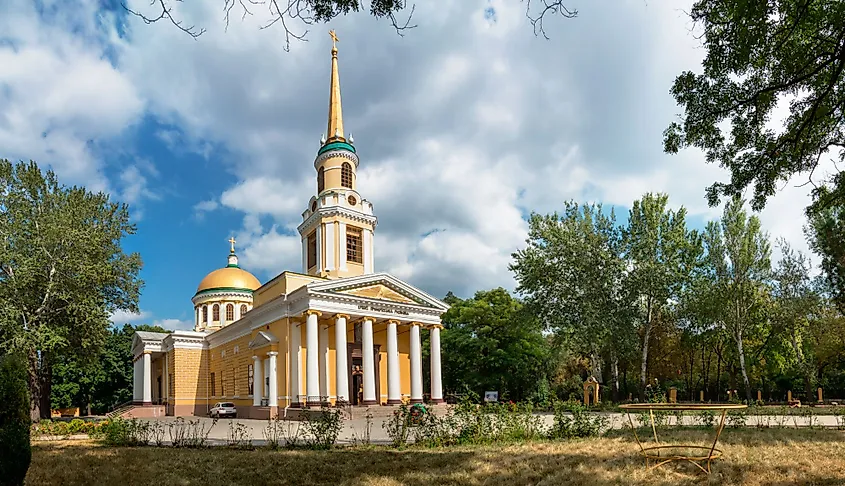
column 336, row 154
column 221, row 292
column 326, row 212
column 257, row 317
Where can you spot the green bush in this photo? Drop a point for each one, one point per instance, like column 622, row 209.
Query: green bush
column 15, row 450
column 573, row 420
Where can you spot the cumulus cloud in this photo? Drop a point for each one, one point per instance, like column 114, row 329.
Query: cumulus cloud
column 123, row 317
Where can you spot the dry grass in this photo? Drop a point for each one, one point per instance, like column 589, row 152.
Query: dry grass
column 752, row 457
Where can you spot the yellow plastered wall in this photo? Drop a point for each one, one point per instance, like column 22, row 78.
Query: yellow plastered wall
column 190, row 371
column 230, row 364
column 285, row 283
column 332, row 168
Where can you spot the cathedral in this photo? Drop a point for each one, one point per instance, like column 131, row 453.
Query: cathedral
column 335, row 333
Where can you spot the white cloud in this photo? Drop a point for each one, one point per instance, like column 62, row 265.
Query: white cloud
column 123, row 317
column 174, row 324
column 58, row 89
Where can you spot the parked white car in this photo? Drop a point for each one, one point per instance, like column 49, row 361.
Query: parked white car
column 223, row 409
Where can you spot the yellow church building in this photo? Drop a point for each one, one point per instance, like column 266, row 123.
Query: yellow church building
column 336, row 333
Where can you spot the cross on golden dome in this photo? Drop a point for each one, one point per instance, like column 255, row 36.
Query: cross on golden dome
column 334, row 39
column 232, row 241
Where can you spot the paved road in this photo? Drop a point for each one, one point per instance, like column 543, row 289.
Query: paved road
column 355, row 429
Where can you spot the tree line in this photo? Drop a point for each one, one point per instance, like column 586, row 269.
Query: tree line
column 650, row 299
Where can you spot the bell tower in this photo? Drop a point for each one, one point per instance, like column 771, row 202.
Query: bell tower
column 337, row 227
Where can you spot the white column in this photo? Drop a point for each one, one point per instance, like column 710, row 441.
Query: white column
column 273, row 399
column 324, row 363
column 305, row 255
column 416, row 364
column 319, row 234
column 329, row 237
column 341, row 363
column 257, row 382
column 368, row 251
column 237, row 311
column 137, row 370
column 199, row 319
column 295, row 363
column 436, row 381
column 341, row 233
column 147, row 384
column 394, row 396
column 368, row 362
column 312, row 363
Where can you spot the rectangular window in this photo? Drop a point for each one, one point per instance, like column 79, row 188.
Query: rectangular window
column 213, row 390
column 250, row 373
column 354, row 248
column 312, row 250
column 222, row 386
column 234, row 382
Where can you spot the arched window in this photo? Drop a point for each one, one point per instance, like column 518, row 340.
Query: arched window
column 205, row 313
column 321, row 180
column 346, row 175
column 215, row 313
column 230, row 312
column 243, row 309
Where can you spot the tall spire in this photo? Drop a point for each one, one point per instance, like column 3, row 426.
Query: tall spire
column 335, row 130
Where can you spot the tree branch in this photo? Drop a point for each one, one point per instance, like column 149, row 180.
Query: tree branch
column 165, row 14
column 549, row 7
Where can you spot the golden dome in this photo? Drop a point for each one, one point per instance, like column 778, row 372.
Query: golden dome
column 230, row 278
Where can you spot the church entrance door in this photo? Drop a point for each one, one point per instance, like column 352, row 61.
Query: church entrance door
column 356, row 372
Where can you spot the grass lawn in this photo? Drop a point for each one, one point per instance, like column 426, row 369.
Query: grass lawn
column 752, row 457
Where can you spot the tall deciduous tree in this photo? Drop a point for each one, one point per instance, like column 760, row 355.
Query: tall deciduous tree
column 758, row 54
column 660, row 253
column 570, row 273
column 490, row 343
column 795, row 306
column 62, row 270
column 739, row 267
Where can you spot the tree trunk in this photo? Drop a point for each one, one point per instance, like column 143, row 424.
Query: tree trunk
column 596, row 365
column 644, row 363
column 34, row 385
column 742, row 366
column 46, row 377
column 614, row 371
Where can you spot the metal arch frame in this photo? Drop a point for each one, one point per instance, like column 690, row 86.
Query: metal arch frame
column 653, row 452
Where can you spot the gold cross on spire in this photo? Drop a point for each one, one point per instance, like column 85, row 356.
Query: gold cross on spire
column 334, row 39
column 232, row 241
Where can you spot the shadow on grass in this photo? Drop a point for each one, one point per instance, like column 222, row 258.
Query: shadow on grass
column 581, row 462
column 735, row 436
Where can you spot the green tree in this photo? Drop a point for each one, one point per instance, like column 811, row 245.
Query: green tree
column 570, row 274
column 309, row 12
column 825, row 233
column 795, row 308
column 759, row 53
column 738, row 265
column 15, row 450
column 62, row 271
column 102, row 381
column 661, row 255
column 490, row 343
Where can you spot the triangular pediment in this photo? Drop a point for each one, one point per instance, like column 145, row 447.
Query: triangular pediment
column 379, row 292
column 381, row 287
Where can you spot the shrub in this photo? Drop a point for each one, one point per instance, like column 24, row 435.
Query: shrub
column 15, row 449
column 398, row 426
column 737, row 418
column 323, row 427
column 572, row 420
column 192, row 433
column 282, row 431
column 239, row 436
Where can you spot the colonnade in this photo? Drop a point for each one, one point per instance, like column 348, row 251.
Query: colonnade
column 316, row 372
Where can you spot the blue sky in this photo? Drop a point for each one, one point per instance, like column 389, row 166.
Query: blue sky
column 464, row 126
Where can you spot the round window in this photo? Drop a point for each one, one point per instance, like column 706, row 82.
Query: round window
column 352, row 200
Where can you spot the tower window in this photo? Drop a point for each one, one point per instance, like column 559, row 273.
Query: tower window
column 205, row 313
column 243, row 310
column 312, row 249
column 321, row 180
column 354, row 248
column 230, row 312
column 215, row 313
column 346, row 175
